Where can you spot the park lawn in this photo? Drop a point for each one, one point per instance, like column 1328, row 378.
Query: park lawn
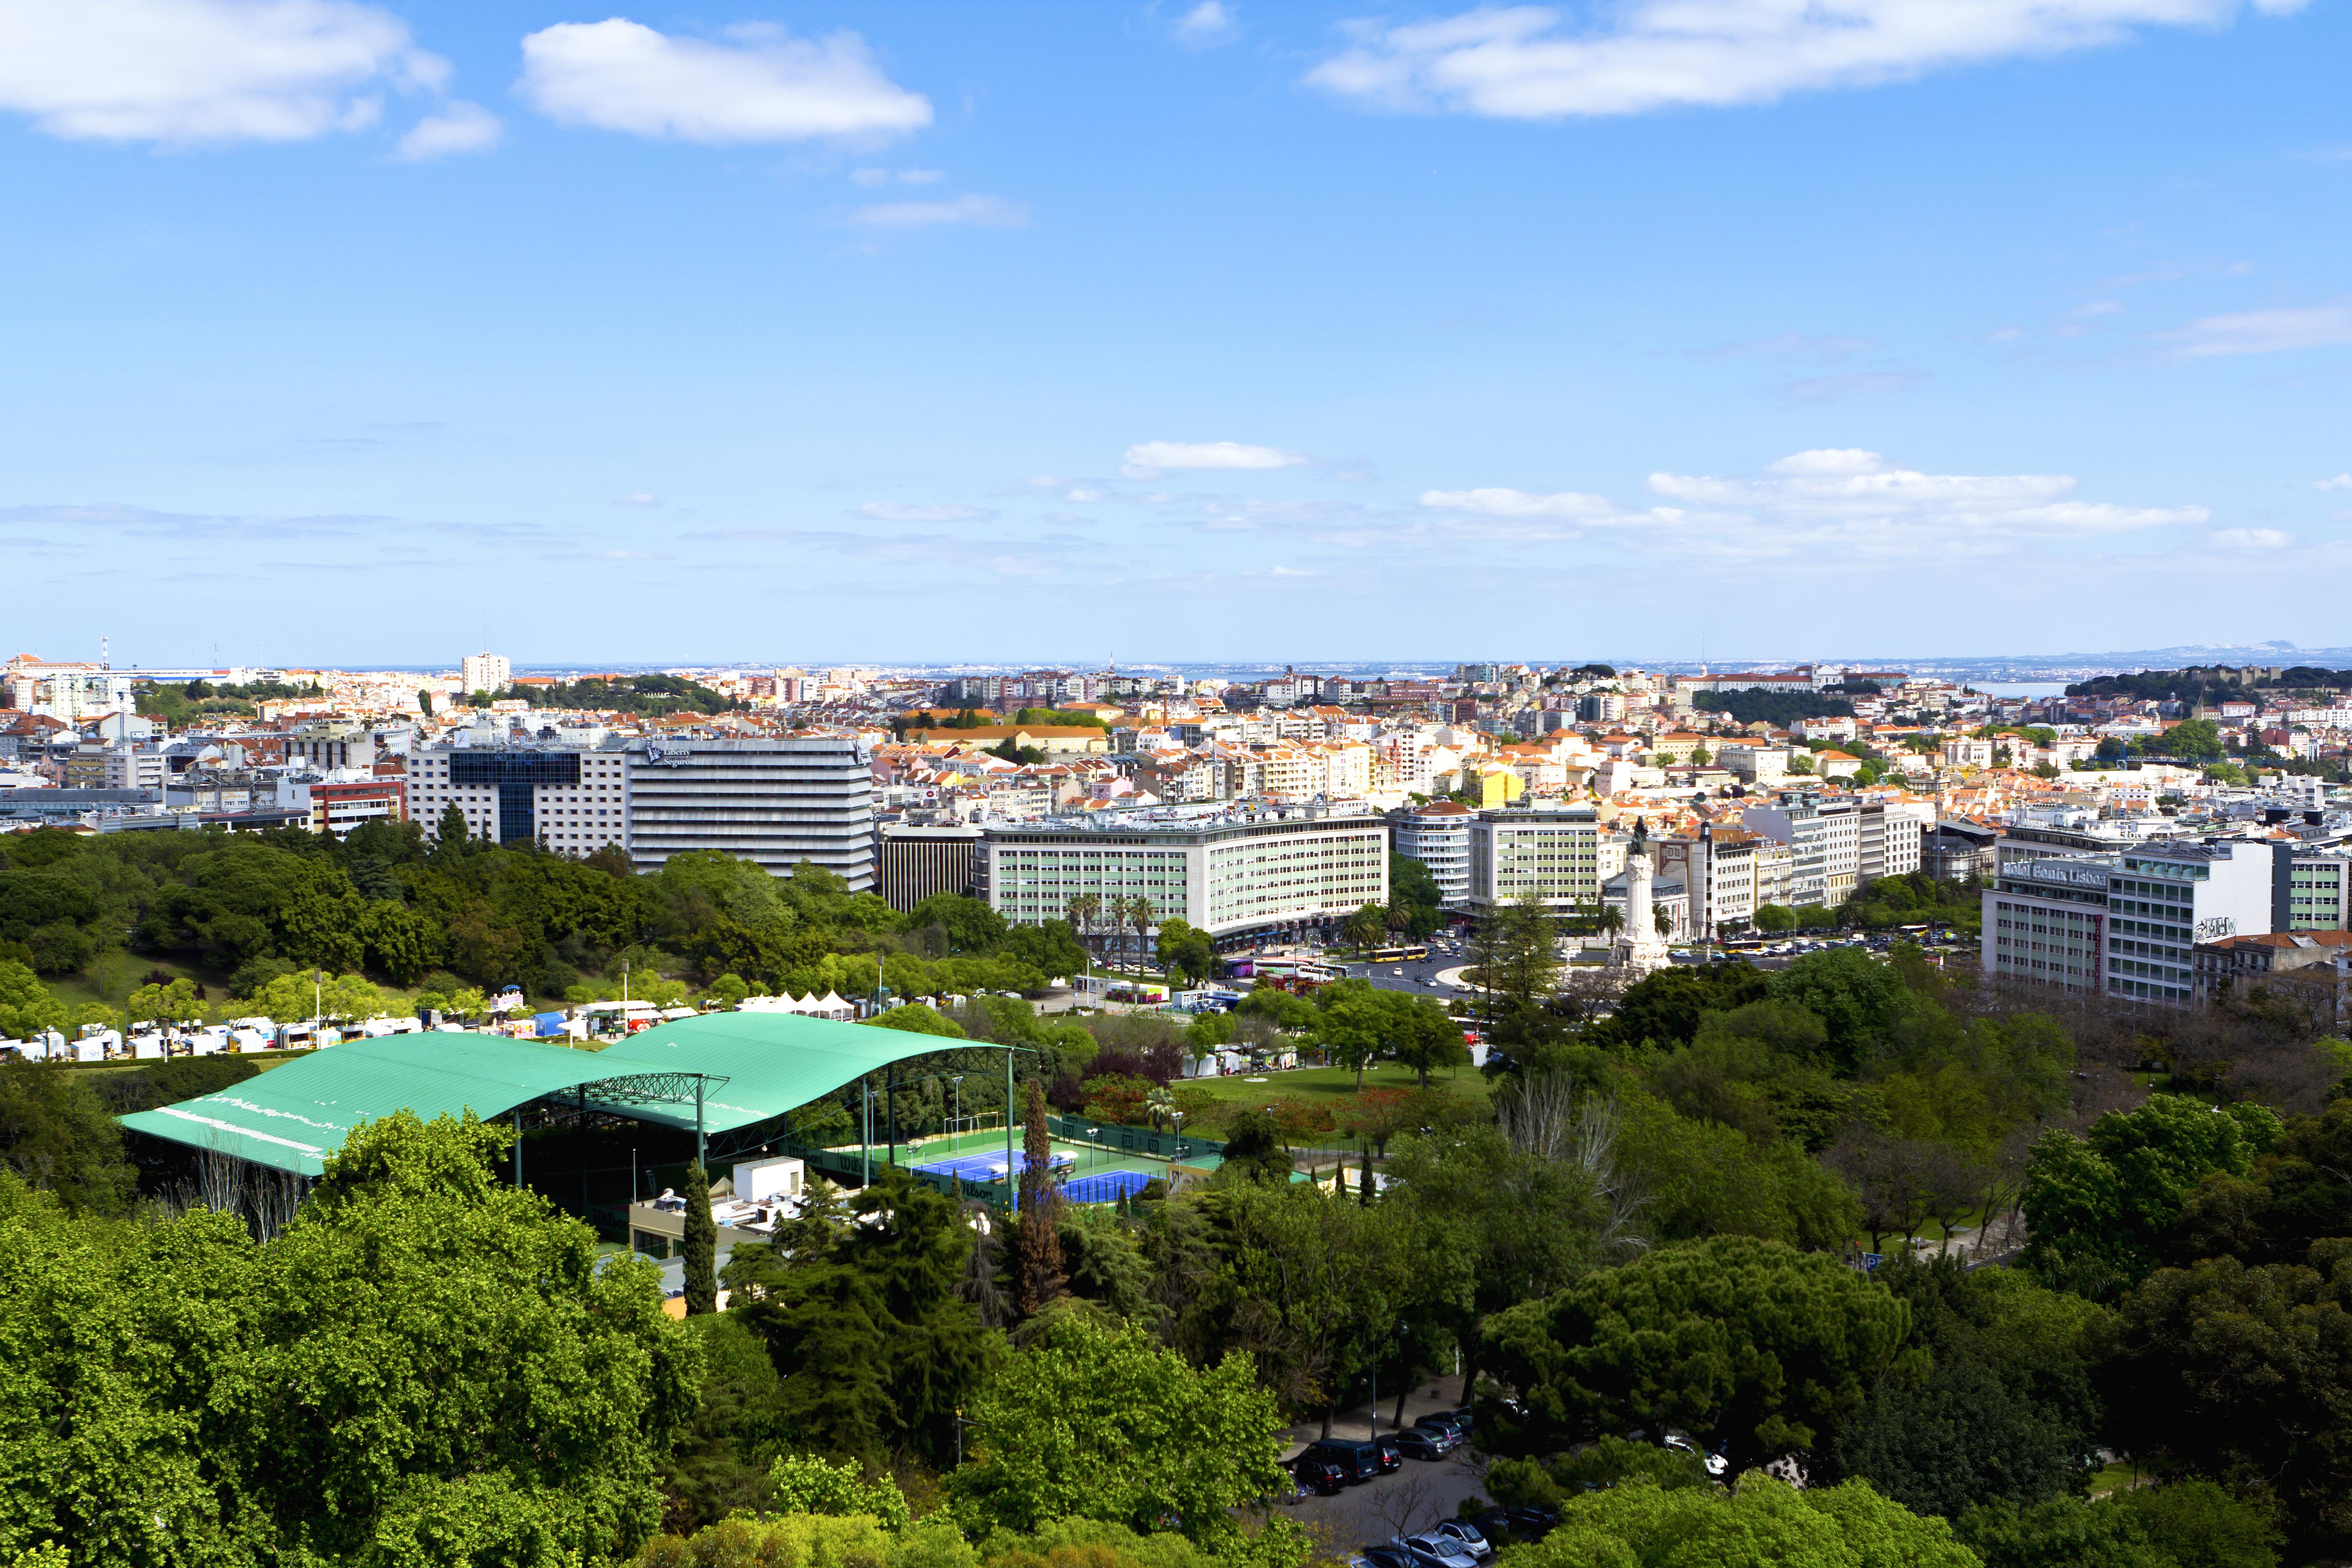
column 1333, row 1084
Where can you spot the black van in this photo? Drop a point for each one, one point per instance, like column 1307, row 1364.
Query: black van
column 1359, row 1461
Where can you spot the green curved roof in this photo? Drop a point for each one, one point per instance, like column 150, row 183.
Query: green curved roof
column 294, row 1115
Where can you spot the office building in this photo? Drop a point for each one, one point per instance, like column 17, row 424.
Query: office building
column 774, row 801
column 326, row 745
column 2128, row 924
column 1559, row 854
column 338, row 807
column 911, row 863
column 1232, row 873
column 574, row 799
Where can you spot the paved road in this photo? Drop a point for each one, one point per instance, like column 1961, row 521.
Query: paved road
column 1413, row 976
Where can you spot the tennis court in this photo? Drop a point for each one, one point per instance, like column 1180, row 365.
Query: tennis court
column 1090, row 1173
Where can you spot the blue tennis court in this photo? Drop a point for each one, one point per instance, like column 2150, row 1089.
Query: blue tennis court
column 990, row 1167
column 1104, row 1186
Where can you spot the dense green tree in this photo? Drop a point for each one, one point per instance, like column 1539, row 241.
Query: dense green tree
column 1099, row 1422
column 2182, row 1525
column 1858, row 999
column 2238, row 1374
column 971, row 925
column 1748, row 1343
column 2105, row 1207
column 1996, row 1403
column 27, row 1009
column 1761, row 1521
column 56, row 1136
column 910, row 1243
column 719, row 1462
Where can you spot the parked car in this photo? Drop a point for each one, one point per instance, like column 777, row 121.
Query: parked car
column 1381, row 1557
column 1718, row 1464
column 1418, row 1443
column 1320, row 1477
column 1391, row 1457
column 1469, row 1536
column 1431, row 1549
column 1446, row 1424
column 1359, row 1461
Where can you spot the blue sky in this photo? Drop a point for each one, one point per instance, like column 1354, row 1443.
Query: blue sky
column 343, row 332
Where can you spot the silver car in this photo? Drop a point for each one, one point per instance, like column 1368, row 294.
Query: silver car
column 1463, row 1530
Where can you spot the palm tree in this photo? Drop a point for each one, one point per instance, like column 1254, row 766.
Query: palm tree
column 1141, row 914
column 1365, row 927
column 1082, row 910
column 1613, row 921
column 1662, row 918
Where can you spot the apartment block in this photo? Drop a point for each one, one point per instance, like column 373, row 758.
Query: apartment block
column 1825, row 840
column 1231, row 873
column 1439, row 837
column 1560, row 856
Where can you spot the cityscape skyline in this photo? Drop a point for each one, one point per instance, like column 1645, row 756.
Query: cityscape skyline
column 1262, row 321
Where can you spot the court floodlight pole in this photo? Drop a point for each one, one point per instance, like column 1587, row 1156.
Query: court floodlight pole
column 1011, row 1188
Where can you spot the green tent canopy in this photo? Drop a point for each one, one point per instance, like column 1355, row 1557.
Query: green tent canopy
column 294, row 1115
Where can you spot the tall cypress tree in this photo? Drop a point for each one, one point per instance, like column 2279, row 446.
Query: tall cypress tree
column 701, row 1245
column 1364, row 1189
column 1039, row 1240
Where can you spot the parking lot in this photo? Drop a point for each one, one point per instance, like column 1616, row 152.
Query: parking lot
column 1400, row 1502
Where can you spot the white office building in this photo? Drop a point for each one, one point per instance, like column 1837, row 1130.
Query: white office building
column 1560, row 855
column 2128, row 924
column 1232, row 873
column 775, row 802
column 1439, row 837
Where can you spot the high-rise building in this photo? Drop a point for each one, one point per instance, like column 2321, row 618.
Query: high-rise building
column 486, row 672
column 774, row 801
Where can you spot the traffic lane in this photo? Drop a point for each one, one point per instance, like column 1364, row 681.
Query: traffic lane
column 1401, row 1502
column 1413, row 975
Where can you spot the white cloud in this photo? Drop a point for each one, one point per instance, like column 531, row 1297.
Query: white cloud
column 641, row 499
column 1828, row 508
column 2340, row 482
column 1210, row 21
column 872, row 177
column 2250, row 539
column 1531, row 62
column 763, row 85
column 2099, row 308
column 460, row 128
column 987, row 212
column 1855, row 503
column 2265, row 331
column 205, row 70
column 1150, row 459
column 916, row 511
column 1521, row 503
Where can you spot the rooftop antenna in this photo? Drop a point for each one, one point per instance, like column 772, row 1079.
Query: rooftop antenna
column 105, row 660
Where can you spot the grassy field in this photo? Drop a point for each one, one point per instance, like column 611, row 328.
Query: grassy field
column 1332, row 1084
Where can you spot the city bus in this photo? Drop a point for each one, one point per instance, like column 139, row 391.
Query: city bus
column 1398, row 954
